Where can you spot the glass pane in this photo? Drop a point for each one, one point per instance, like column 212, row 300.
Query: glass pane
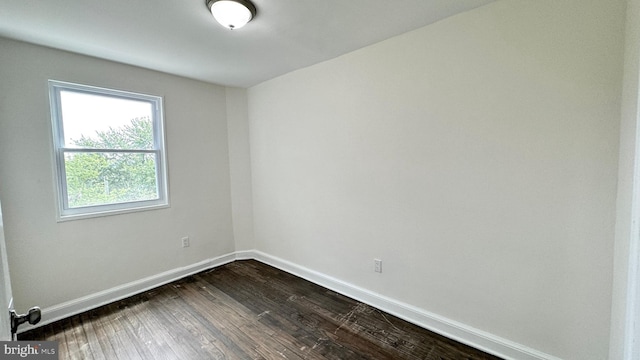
column 109, row 178
column 105, row 122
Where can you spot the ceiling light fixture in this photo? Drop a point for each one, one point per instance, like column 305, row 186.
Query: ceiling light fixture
column 232, row 14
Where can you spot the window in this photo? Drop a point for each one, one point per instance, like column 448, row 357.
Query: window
column 109, row 150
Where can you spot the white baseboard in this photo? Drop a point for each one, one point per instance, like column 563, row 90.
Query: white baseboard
column 93, row 301
column 247, row 255
column 451, row 329
column 454, row 330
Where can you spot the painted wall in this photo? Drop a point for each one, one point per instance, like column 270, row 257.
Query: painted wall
column 627, row 241
column 240, row 168
column 56, row 262
column 5, row 288
column 477, row 157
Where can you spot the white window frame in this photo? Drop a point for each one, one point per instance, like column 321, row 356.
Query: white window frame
column 65, row 212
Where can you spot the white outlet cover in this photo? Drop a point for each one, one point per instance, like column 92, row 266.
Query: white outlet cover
column 377, row 265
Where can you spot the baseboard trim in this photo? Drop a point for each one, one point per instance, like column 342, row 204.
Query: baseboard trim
column 452, row 329
column 93, row 301
column 465, row 334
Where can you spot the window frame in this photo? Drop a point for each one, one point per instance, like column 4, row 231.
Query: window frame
column 64, row 212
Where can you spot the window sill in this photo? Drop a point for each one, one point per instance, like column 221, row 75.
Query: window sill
column 102, row 213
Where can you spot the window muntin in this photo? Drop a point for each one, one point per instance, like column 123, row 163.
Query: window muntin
column 108, row 149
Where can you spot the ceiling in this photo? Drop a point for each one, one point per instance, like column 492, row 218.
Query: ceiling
column 181, row 37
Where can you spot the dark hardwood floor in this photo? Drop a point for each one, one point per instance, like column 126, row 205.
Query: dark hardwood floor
column 244, row 310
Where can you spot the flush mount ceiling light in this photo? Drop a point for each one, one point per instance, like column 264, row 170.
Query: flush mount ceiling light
column 232, row 14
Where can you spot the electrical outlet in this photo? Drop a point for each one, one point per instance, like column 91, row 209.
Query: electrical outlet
column 185, row 242
column 377, row 265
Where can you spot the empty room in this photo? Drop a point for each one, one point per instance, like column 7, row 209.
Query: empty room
column 361, row 179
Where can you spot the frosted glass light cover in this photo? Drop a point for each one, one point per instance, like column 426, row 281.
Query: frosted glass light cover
column 230, row 14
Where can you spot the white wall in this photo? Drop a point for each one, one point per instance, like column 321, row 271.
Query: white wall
column 240, row 168
column 477, row 157
column 52, row 262
column 5, row 288
column 625, row 308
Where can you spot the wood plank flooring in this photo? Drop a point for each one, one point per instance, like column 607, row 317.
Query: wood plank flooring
column 244, row 310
